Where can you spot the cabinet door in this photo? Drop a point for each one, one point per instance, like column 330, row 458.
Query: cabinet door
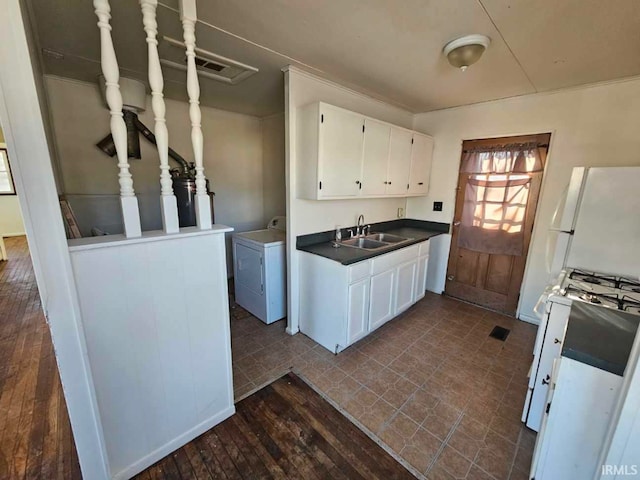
column 381, row 302
column 421, row 279
column 375, row 158
column 340, row 152
column 551, row 349
column 421, row 155
column 399, row 161
column 357, row 323
column 406, row 286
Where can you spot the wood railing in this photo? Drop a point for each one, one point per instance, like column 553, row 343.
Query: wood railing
column 111, row 72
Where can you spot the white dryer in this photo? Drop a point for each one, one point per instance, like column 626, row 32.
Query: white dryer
column 259, row 268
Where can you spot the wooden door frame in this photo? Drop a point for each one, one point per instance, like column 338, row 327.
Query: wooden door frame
column 522, row 266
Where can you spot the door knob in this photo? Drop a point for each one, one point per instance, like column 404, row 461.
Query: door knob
column 455, row 224
column 545, row 381
column 450, row 278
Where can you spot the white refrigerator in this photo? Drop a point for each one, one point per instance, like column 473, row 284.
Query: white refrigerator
column 596, row 225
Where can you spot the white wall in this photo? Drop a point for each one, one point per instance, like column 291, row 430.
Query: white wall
column 273, row 160
column 10, row 217
column 590, row 126
column 307, row 216
column 233, row 160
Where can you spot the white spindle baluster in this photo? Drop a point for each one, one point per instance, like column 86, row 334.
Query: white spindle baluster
column 168, row 203
column 203, row 206
column 128, row 200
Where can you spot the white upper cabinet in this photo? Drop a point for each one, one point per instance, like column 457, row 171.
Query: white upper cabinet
column 399, row 161
column 375, row 160
column 421, row 155
column 329, row 149
column 342, row 154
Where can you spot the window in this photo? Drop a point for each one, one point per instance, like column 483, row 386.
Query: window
column 500, row 201
column 6, row 180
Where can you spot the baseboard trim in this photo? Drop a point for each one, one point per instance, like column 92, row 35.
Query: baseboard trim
column 529, row 319
column 174, row 444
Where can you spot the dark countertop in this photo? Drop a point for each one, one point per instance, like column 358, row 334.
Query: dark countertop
column 599, row 336
column 417, row 230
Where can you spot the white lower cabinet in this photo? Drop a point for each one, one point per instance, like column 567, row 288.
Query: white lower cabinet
column 382, row 301
column 341, row 304
column 357, row 323
column 406, row 286
column 421, row 278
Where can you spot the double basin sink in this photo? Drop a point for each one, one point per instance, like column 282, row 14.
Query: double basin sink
column 374, row 241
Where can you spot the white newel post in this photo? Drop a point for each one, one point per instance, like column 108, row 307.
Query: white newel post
column 168, row 203
column 128, row 200
column 203, row 206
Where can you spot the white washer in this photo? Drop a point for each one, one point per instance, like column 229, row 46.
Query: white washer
column 259, row 267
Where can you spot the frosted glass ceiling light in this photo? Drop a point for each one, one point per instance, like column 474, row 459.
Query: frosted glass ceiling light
column 465, row 51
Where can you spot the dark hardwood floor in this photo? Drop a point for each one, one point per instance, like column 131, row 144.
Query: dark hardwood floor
column 286, row 430
column 35, row 434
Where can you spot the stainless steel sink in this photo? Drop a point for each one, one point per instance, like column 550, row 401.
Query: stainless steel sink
column 364, row 243
column 387, row 238
column 374, row 241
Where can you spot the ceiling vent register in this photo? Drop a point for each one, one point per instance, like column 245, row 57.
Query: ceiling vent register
column 208, row 64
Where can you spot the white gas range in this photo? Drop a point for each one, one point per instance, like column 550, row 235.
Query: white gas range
column 553, row 308
column 582, row 352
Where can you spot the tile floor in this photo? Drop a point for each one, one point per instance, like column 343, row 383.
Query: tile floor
column 431, row 385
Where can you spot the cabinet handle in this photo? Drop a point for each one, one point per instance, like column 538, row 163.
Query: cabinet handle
column 545, row 381
column 386, row 183
column 420, row 183
column 357, row 182
column 556, row 340
column 389, row 183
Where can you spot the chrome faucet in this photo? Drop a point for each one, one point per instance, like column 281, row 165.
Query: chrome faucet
column 360, row 228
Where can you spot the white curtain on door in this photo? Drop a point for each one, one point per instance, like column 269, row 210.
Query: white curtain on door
column 496, row 196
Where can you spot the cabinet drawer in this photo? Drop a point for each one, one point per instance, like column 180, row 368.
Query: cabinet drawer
column 359, row 271
column 424, row 248
column 393, row 259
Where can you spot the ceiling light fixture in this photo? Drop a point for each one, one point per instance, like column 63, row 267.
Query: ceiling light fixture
column 465, row 51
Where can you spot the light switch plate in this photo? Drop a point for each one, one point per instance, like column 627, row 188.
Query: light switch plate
column 437, row 206
column 400, row 212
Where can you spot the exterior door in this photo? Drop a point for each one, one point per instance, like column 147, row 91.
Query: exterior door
column 493, row 280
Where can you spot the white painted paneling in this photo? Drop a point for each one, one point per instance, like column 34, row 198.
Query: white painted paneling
column 591, row 126
column 156, row 320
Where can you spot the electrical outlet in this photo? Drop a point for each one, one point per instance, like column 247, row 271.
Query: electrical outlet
column 437, row 206
column 400, row 212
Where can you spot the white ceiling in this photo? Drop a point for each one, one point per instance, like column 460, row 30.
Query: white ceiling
column 391, row 50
